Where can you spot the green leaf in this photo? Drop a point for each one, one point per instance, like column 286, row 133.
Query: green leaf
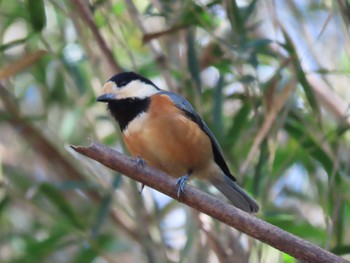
column 296, row 129
column 3, row 203
column 297, row 227
column 259, row 169
column 110, row 139
column 257, row 44
column 102, row 213
column 247, row 79
column 37, row 251
column 218, row 102
column 86, row 255
column 13, row 43
column 341, row 250
column 105, row 205
column 249, row 10
column 288, row 259
column 119, row 8
column 5, row 116
column 100, row 19
column 239, row 121
column 235, row 18
column 57, row 199
column 310, row 95
column 192, row 60
column 196, row 15
column 37, row 17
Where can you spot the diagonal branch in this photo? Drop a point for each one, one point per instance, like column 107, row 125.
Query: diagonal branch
column 246, row 223
column 82, row 9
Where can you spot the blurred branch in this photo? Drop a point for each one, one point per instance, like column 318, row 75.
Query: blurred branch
column 276, row 107
column 160, row 58
column 24, row 62
column 86, row 15
column 228, row 214
column 328, row 98
column 214, row 243
column 336, row 105
column 40, row 144
column 154, row 35
column 48, row 152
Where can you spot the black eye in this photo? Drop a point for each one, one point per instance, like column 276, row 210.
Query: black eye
column 123, row 83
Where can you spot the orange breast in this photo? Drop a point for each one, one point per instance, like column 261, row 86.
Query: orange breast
column 166, row 139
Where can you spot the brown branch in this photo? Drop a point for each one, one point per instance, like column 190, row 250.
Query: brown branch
column 246, row 223
column 154, row 35
column 24, row 62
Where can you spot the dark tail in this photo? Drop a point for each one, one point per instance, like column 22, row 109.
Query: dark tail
column 236, row 194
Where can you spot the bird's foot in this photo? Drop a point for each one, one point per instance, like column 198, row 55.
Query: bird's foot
column 139, row 161
column 181, row 183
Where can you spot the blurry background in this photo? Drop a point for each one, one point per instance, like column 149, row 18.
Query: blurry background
column 271, row 79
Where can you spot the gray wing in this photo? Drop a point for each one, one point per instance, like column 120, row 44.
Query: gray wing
column 190, row 112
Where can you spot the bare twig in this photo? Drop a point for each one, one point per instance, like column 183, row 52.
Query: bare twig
column 246, row 223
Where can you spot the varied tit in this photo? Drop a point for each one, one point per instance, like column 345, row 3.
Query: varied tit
column 164, row 129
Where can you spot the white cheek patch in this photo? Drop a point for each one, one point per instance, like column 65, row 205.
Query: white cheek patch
column 136, row 89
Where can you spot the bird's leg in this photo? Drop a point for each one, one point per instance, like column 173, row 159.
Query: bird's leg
column 140, row 162
column 181, row 183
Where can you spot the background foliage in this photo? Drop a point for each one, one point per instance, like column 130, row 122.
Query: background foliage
column 269, row 77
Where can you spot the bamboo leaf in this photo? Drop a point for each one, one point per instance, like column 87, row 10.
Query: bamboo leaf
column 239, row 121
column 301, row 229
column 38, row 250
column 13, row 43
column 37, row 17
column 3, row 203
column 218, row 104
column 341, row 250
column 192, row 60
column 235, row 18
column 297, row 130
column 66, row 210
column 310, row 95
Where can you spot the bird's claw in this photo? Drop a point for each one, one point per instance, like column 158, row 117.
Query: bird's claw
column 181, row 183
column 139, row 161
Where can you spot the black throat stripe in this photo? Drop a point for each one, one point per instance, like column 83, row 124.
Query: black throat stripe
column 125, row 110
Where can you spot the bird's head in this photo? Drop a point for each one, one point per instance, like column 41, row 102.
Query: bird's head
column 127, row 85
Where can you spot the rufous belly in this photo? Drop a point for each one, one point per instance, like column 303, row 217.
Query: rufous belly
column 168, row 140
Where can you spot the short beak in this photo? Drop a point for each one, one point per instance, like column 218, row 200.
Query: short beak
column 106, row 97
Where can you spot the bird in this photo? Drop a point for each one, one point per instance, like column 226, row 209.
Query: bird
column 163, row 129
